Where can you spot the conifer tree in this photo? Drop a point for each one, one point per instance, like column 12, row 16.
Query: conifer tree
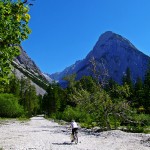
column 138, row 96
column 146, row 102
column 127, row 78
column 53, row 100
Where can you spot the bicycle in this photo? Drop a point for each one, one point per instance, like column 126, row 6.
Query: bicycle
column 74, row 138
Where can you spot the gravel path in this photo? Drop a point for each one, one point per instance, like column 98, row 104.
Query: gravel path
column 41, row 134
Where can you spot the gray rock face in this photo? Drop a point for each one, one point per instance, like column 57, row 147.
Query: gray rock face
column 39, row 90
column 25, row 61
column 25, row 67
column 116, row 53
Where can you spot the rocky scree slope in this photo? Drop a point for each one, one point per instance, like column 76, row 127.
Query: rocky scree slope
column 24, row 66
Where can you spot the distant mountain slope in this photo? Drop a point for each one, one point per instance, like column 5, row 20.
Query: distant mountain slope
column 25, row 61
column 116, row 53
column 25, row 67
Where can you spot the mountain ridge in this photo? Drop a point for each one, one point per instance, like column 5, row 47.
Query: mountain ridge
column 117, row 53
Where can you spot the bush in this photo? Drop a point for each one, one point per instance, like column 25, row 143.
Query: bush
column 71, row 113
column 74, row 113
column 135, row 129
column 9, row 106
column 143, row 119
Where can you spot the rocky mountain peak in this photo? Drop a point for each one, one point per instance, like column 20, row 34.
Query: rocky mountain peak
column 106, row 36
column 111, row 36
column 111, row 41
column 117, row 54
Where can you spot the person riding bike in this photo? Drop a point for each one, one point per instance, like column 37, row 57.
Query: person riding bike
column 74, row 127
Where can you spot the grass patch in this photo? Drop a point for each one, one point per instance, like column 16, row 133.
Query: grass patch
column 147, row 130
column 23, row 119
column 4, row 121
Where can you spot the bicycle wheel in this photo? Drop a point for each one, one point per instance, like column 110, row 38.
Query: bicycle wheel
column 76, row 138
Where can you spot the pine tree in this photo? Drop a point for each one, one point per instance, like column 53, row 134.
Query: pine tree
column 138, row 96
column 54, row 100
column 146, row 102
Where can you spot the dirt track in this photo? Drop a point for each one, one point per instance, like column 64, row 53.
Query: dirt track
column 41, row 134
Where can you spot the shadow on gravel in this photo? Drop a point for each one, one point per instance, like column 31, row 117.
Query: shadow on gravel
column 37, row 118
column 64, row 143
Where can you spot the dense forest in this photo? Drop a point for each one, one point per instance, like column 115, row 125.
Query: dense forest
column 90, row 101
column 87, row 100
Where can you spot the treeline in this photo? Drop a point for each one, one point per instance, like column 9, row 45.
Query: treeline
column 108, row 106
column 88, row 101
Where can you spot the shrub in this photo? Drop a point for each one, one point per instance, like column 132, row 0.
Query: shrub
column 135, row 129
column 9, row 106
column 143, row 119
column 76, row 114
column 70, row 113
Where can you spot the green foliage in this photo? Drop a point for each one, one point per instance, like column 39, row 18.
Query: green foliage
column 127, row 78
column 26, row 95
column 93, row 104
column 87, row 83
column 138, row 96
column 28, row 98
column 70, row 79
column 120, row 91
column 9, row 106
column 107, row 111
column 71, row 113
column 13, row 86
column 141, row 95
column 14, row 29
column 135, row 129
column 74, row 113
column 142, row 119
column 109, row 107
column 146, row 102
column 54, row 99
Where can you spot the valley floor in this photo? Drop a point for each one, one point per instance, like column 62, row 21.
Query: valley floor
column 41, row 134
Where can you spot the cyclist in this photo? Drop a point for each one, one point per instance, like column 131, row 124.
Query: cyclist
column 74, row 127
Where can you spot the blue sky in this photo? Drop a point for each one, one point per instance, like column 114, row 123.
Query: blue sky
column 64, row 31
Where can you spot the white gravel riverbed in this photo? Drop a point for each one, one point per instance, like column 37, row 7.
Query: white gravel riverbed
column 41, row 134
